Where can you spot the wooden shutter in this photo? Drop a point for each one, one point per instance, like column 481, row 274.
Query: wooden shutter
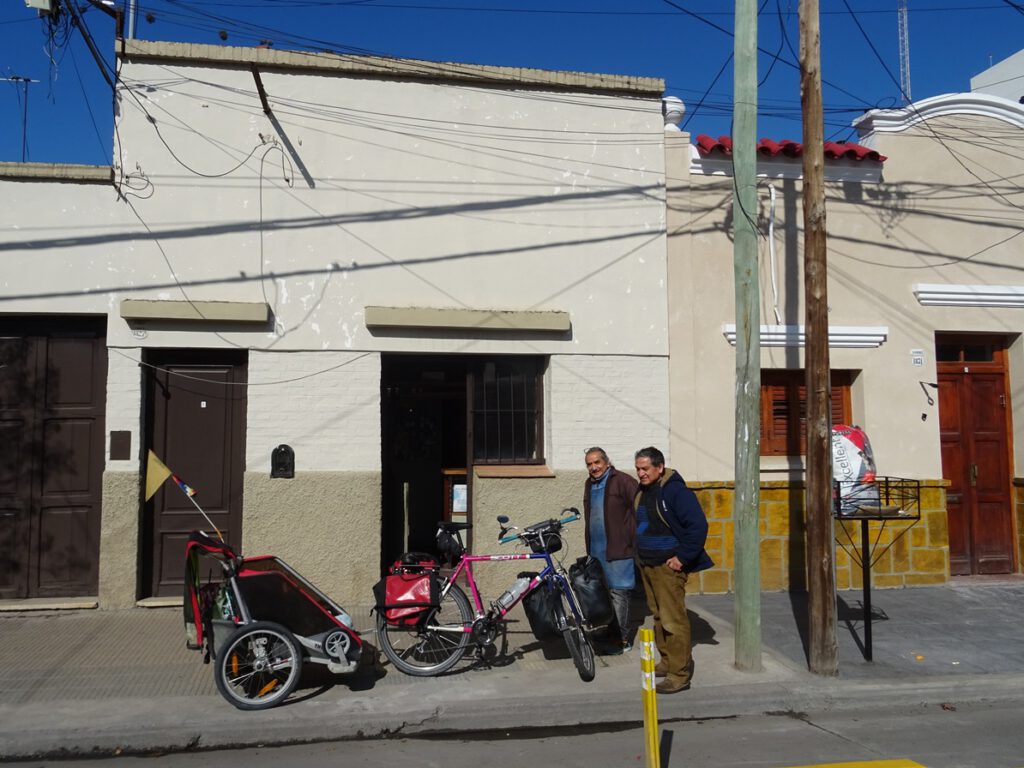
column 784, row 410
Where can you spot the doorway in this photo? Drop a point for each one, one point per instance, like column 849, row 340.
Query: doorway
column 53, row 375
column 195, row 424
column 423, row 440
column 975, row 429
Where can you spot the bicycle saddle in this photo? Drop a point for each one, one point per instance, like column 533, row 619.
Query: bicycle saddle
column 453, row 527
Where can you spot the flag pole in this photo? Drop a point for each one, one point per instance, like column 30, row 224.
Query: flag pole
column 196, row 505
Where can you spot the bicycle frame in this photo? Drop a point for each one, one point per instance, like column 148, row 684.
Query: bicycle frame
column 465, row 567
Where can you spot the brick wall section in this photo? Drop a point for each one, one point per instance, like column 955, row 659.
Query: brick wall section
column 618, row 402
column 124, row 402
column 325, row 405
column 905, row 553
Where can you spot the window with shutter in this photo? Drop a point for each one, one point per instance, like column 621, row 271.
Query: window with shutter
column 784, row 409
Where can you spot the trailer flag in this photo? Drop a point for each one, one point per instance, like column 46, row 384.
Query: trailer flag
column 156, row 473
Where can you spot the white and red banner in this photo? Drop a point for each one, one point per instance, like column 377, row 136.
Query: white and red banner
column 853, row 468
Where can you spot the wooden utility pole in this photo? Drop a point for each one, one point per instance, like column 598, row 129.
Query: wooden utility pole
column 821, row 582
column 747, row 605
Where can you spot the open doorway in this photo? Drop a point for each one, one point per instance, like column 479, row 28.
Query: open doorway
column 423, row 441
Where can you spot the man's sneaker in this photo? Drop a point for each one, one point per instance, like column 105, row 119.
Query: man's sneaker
column 626, row 646
column 672, row 685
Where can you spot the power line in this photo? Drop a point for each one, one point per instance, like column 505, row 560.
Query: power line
column 925, row 122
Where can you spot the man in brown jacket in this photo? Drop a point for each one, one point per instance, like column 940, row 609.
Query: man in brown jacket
column 611, row 535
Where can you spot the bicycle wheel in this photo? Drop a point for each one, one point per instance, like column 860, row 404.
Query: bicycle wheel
column 578, row 643
column 259, row 666
column 433, row 646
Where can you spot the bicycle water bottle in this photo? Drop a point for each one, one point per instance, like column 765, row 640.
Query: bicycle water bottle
column 514, row 592
column 345, row 619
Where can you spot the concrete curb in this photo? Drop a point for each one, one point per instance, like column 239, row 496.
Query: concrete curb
column 138, row 726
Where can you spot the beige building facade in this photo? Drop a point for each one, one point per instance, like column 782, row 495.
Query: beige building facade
column 925, row 318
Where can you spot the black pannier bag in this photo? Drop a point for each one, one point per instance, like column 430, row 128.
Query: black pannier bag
column 540, row 610
column 587, row 578
column 449, row 547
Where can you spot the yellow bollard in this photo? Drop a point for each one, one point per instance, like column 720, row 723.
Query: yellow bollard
column 650, row 698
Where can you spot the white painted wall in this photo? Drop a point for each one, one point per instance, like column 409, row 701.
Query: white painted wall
column 423, row 194
column 124, row 403
column 325, row 405
column 617, row 402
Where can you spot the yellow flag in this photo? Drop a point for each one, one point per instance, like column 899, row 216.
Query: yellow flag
column 156, row 474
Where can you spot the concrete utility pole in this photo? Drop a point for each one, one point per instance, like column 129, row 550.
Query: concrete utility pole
column 747, row 606
column 821, row 581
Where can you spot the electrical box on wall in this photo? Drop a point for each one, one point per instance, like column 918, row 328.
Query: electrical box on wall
column 43, row 6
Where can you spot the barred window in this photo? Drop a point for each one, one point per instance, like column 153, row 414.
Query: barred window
column 507, row 410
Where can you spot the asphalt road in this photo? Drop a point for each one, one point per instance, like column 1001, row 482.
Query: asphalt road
column 976, row 736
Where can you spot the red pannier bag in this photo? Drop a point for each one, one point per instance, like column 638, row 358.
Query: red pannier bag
column 408, row 592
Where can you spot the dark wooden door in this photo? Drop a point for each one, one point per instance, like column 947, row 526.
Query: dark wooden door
column 196, row 404
column 52, row 403
column 974, row 415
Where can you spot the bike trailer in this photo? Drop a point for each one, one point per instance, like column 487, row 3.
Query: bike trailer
column 243, row 591
column 205, row 603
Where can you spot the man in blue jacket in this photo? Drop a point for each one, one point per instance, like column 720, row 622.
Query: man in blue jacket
column 671, row 534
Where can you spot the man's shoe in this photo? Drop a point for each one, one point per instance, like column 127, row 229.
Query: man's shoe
column 661, row 669
column 626, row 646
column 672, row 685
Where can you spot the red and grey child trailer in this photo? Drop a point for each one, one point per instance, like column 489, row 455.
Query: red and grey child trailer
column 258, row 620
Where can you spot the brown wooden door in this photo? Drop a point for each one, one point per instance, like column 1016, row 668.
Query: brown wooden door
column 974, row 415
column 196, row 404
column 52, row 403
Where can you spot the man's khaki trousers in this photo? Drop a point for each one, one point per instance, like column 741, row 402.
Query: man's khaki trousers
column 666, row 596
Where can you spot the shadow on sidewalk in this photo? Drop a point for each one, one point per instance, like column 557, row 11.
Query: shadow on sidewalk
column 317, row 680
column 848, row 614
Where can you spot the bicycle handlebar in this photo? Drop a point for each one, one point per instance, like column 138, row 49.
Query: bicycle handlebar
column 536, row 527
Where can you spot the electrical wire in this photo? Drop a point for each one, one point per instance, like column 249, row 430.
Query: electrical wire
column 247, row 384
column 88, row 106
column 924, row 122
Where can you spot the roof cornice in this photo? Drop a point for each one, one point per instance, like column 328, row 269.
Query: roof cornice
column 975, row 104
column 386, row 67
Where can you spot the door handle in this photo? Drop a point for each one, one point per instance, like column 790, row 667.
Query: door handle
column 974, row 474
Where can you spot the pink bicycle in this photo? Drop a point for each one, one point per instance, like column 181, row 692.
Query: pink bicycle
column 434, row 643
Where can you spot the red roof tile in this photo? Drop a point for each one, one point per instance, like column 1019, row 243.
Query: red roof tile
column 834, row 150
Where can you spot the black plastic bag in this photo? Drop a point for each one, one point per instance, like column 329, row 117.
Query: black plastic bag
column 540, row 611
column 587, row 578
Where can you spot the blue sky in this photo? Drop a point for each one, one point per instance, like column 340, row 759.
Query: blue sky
column 686, row 42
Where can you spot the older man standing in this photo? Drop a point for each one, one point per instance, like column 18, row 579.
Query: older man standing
column 611, row 533
column 671, row 534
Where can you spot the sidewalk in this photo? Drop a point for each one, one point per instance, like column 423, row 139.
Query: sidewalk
column 106, row 682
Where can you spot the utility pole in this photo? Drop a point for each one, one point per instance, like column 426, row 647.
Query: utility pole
column 821, row 581
column 132, row 19
column 904, row 36
column 24, row 111
column 747, row 606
